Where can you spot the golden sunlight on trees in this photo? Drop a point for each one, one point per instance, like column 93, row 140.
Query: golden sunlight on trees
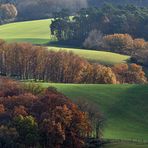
column 24, row 61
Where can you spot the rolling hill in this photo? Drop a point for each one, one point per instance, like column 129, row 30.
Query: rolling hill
column 124, row 107
column 37, row 32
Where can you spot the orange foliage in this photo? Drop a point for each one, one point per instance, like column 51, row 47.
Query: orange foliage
column 25, row 61
column 131, row 73
column 2, row 108
column 20, row 110
column 121, row 43
column 60, row 123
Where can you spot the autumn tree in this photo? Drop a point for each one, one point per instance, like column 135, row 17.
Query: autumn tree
column 25, row 61
column 120, row 43
column 96, row 117
column 131, row 73
column 46, row 119
column 96, row 73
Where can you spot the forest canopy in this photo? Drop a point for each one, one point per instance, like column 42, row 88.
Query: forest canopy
column 45, row 118
column 37, row 9
column 108, row 20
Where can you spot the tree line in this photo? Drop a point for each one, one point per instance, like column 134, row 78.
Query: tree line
column 120, row 43
column 39, row 9
column 25, row 61
column 108, row 20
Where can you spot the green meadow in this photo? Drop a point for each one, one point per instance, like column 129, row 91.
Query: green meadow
column 124, row 107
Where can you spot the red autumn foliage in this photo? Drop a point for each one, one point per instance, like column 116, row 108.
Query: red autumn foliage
column 55, row 119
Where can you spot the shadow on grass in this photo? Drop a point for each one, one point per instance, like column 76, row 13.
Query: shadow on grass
column 130, row 110
column 64, row 44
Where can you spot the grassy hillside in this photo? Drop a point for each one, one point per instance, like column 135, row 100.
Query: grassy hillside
column 37, row 32
column 102, row 57
column 124, row 107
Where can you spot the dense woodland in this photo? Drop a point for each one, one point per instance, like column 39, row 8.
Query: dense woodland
column 120, row 29
column 108, row 20
column 25, row 61
column 31, row 116
column 37, row 9
column 120, row 43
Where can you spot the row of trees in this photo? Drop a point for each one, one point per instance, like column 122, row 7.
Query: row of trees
column 25, row 61
column 119, row 43
column 31, row 116
column 108, row 19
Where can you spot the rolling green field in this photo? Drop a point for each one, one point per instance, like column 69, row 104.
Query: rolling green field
column 102, row 57
column 38, row 32
column 124, row 107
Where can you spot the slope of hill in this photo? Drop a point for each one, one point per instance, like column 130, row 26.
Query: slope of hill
column 124, row 107
column 37, row 32
column 107, row 58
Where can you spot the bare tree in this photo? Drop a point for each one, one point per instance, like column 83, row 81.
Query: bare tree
column 94, row 40
column 95, row 115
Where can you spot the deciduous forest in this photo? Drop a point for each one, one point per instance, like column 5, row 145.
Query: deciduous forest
column 73, row 74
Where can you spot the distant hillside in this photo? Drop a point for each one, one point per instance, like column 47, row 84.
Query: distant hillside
column 118, row 2
column 37, row 9
column 91, row 2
